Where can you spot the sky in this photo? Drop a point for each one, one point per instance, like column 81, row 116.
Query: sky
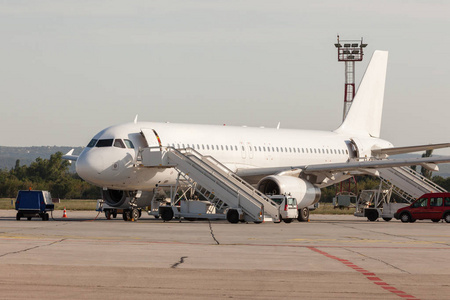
column 71, row 68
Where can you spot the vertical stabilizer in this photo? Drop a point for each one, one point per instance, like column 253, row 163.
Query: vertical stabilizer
column 364, row 116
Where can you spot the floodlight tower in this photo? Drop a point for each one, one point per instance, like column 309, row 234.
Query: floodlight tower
column 349, row 52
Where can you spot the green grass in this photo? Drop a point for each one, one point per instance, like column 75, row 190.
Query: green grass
column 69, row 204
column 328, row 209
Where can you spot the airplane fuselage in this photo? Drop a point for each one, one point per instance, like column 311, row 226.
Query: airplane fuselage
column 111, row 159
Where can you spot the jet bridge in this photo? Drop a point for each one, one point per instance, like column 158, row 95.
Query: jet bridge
column 215, row 182
column 402, row 181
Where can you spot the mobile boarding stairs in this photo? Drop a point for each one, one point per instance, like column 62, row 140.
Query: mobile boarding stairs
column 402, row 181
column 227, row 192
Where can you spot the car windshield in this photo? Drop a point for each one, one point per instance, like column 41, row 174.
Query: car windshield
column 292, row 201
column 420, row 203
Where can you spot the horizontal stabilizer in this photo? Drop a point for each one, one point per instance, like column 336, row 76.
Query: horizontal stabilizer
column 69, row 156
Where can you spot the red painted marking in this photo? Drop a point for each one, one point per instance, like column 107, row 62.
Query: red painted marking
column 381, row 283
column 374, row 278
column 369, row 275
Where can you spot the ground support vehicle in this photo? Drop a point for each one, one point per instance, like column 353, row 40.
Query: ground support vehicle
column 176, row 202
column 287, row 206
column 128, row 214
column 374, row 204
column 431, row 206
column 31, row 204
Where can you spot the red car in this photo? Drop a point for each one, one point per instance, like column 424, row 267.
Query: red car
column 434, row 206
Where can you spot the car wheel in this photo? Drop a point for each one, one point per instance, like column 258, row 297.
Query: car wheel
column 447, row 217
column 405, row 218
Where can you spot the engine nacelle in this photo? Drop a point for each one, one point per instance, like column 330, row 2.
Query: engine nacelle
column 305, row 193
column 121, row 199
column 115, row 198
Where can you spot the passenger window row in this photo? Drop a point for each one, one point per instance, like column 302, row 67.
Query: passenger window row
column 200, row 147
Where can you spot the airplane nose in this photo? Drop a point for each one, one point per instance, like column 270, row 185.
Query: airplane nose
column 90, row 164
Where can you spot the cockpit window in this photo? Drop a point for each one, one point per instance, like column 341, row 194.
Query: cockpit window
column 92, row 143
column 105, row 143
column 119, row 144
column 129, row 144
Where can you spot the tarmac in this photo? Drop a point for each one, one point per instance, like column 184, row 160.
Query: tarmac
column 330, row 257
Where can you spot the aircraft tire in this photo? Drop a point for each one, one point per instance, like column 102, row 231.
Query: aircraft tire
column 303, row 214
column 126, row 215
column 134, row 214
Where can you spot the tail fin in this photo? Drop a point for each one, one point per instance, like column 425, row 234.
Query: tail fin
column 364, row 116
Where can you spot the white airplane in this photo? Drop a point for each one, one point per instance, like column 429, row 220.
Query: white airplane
column 299, row 162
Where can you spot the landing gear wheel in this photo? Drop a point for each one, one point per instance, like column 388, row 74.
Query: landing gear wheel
column 387, row 219
column 447, row 217
column 435, row 220
column 107, row 215
column 372, row 215
column 167, row 214
column 303, row 214
column 287, row 220
column 135, row 214
column 126, row 215
column 405, row 218
column 233, row 216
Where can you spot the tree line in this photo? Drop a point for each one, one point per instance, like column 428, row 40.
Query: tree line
column 46, row 174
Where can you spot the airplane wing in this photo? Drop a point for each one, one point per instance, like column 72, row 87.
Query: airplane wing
column 69, row 156
column 361, row 166
column 409, row 149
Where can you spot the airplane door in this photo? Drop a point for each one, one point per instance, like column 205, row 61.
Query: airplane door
column 151, row 137
column 250, row 150
column 243, row 152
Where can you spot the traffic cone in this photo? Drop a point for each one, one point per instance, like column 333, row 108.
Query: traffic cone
column 64, row 214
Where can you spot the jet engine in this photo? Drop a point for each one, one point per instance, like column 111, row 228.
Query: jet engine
column 123, row 199
column 115, row 198
column 305, row 193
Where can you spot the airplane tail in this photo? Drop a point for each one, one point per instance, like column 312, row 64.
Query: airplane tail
column 364, row 116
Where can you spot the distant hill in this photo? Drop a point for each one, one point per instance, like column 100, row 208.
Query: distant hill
column 27, row 155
